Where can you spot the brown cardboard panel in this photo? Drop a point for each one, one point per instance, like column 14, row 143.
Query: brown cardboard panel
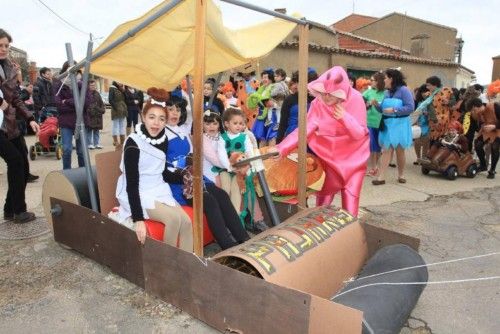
column 108, row 171
column 58, row 186
column 222, row 297
column 315, row 251
column 327, row 317
column 378, row 237
column 100, row 239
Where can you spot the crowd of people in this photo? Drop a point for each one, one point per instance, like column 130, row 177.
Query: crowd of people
column 355, row 127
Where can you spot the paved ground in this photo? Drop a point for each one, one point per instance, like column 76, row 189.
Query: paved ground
column 47, row 289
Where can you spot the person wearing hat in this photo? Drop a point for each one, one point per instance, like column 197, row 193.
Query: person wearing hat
column 230, row 100
column 338, row 135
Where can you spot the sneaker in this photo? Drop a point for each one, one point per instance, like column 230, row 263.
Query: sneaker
column 482, row 169
column 8, row 216
column 24, row 217
column 491, row 175
column 99, row 147
column 91, row 147
column 32, row 178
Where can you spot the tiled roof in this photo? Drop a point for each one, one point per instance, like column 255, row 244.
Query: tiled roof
column 381, row 55
column 352, row 41
column 497, row 57
column 353, row 22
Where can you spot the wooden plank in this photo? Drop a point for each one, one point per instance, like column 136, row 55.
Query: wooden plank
column 303, row 60
column 378, row 237
column 107, row 170
column 199, row 75
column 222, row 297
column 99, row 239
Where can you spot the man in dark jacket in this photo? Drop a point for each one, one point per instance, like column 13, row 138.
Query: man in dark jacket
column 43, row 96
column 11, row 147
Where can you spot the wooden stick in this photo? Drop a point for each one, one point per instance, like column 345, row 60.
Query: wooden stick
column 199, row 76
column 303, row 60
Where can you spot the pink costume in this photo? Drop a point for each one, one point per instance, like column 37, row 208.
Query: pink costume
column 342, row 145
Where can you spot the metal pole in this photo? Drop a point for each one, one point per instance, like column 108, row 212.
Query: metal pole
column 265, row 11
column 79, row 101
column 271, row 209
column 165, row 9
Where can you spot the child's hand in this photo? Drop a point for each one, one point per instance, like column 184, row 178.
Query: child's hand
column 140, row 230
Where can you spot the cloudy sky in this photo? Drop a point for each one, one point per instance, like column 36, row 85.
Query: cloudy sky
column 41, row 33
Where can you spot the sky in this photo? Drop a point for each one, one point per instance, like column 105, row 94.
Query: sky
column 43, row 35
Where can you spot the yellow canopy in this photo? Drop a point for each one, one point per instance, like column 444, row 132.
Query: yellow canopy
column 162, row 53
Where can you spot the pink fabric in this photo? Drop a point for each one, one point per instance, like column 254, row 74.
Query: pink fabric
column 210, row 153
column 342, row 145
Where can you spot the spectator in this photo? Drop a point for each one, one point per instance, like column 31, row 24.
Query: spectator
column 96, row 110
column 43, row 96
column 396, row 134
column 290, row 109
column 11, row 146
column 25, row 96
column 119, row 112
column 133, row 101
column 67, row 117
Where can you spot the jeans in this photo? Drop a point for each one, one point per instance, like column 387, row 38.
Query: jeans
column 67, row 146
column 13, row 153
column 119, row 126
column 133, row 116
column 93, row 137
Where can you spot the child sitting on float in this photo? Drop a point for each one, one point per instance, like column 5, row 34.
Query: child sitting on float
column 142, row 189
column 222, row 218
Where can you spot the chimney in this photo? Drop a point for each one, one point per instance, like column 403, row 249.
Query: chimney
column 420, row 46
column 280, row 10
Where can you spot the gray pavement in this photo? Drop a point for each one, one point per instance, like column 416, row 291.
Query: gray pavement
column 47, row 289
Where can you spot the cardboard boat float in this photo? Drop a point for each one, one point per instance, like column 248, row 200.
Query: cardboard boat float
column 280, row 281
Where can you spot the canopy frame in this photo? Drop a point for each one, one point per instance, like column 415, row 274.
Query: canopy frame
column 197, row 107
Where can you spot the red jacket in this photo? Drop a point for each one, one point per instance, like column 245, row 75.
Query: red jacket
column 16, row 105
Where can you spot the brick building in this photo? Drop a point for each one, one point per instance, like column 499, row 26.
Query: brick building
column 352, row 43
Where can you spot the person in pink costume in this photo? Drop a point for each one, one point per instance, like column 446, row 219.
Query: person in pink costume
column 338, row 135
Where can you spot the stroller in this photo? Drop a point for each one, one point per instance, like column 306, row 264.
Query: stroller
column 49, row 138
